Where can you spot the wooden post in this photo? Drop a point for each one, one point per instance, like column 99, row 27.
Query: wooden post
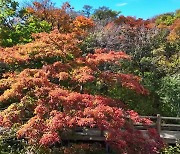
column 102, row 133
column 107, row 148
column 158, row 123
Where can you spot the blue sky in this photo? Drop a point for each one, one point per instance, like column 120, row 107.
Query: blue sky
column 137, row 8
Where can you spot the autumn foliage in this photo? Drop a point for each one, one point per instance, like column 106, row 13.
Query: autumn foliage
column 46, row 95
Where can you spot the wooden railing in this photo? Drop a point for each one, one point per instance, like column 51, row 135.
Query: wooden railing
column 167, row 127
column 165, row 123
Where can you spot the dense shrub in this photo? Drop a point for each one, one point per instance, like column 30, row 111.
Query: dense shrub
column 169, row 93
column 172, row 150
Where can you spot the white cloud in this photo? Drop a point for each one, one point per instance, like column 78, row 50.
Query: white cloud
column 121, row 4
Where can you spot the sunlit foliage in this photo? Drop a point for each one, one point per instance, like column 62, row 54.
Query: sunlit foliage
column 46, row 91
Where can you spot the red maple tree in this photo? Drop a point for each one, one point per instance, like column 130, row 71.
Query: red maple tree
column 46, row 94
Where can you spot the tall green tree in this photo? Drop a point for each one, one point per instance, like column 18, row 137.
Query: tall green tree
column 104, row 13
column 87, row 10
column 17, row 24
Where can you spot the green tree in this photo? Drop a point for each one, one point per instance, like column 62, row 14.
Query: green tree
column 17, row 24
column 169, row 93
column 87, row 10
column 104, row 13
